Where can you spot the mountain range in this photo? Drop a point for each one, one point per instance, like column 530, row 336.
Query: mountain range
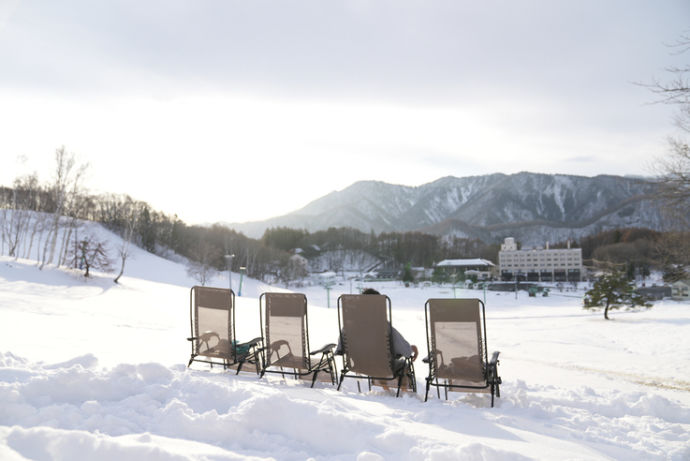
column 532, row 207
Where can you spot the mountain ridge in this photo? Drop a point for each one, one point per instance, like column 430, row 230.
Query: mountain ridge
column 531, row 206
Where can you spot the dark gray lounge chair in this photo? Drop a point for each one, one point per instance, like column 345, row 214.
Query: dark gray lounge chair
column 456, row 341
column 285, row 331
column 212, row 318
column 365, row 337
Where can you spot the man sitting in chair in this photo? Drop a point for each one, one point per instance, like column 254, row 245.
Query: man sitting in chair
column 401, row 348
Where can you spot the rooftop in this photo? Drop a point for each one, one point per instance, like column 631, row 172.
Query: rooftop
column 464, row 262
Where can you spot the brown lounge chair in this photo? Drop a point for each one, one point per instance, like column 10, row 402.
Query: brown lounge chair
column 365, row 324
column 286, row 336
column 456, row 341
column 212, row 318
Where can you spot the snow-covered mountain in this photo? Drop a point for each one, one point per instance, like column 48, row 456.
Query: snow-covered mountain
column 532, row 207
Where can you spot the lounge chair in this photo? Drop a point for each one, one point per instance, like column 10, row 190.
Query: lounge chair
column 286, row 338
column 212, row 318
column 456, row 341
column 365, row 328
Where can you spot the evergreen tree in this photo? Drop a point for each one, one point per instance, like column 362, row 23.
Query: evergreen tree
column 440, row 276
column 407, row 276
column 613, row 291
column 146, row 230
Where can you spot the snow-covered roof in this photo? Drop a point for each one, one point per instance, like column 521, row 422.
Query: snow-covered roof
column 465, row 262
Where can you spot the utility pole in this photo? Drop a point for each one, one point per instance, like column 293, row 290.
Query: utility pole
column 228, row 261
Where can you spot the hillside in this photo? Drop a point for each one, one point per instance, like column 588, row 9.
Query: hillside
column 94, row 370
column 532, row 207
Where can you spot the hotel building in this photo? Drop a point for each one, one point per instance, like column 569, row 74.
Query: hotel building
column 540, row 264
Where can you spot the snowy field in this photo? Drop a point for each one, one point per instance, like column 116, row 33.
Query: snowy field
column 94, row 370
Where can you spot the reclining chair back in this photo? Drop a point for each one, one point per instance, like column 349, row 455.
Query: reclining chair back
column 285, row 330
column 212, row 323
column 286, row 338
column 365, row 335
column 456, row 341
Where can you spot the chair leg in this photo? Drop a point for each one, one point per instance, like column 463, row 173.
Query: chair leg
column 342, row 378
column 313, row 380
column 333, row 371
column 413, row 378
column 426, row 394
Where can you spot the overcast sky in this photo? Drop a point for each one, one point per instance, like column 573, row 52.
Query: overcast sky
column 221, row 110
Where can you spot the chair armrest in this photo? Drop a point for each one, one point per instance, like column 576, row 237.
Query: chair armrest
column 253, row 342
column 494, row 358
column 192, row 338
column 324, row 349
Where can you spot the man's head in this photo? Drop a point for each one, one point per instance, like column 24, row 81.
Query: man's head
column 370, row 291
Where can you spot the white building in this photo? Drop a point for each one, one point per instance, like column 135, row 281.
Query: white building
column 540, row 264
column 681, row 290
column 480, row 267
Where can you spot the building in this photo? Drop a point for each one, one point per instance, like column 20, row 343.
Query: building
column 481, row 267
column 681, row 290
column 540, row 264
column 655, row 293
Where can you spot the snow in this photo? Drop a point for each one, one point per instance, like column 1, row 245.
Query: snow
column 94, row 370
column 465, row 262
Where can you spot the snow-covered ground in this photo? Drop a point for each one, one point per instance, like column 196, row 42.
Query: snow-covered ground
column 94, row 370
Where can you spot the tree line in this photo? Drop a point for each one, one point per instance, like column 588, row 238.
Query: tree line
column 394, row 249
column 636, row 251
column 45, row 222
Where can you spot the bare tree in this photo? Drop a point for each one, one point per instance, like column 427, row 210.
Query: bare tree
column 201, row 272
column 91, row 253
column 3, row 236
column 30, row 188
column 674, row 169
column 293, row 269
column 202, row 269
column 74, row 203
column 123, row 249
column 66, row 184
column 16, row 220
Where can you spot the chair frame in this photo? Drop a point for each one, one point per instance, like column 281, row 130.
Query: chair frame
column 492, row 380
column 408, row 361
column 326, row 361
column 227, row 361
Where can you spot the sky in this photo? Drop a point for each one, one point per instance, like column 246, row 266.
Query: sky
column 234, row 111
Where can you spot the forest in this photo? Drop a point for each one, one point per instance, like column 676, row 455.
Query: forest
column 41, row 221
